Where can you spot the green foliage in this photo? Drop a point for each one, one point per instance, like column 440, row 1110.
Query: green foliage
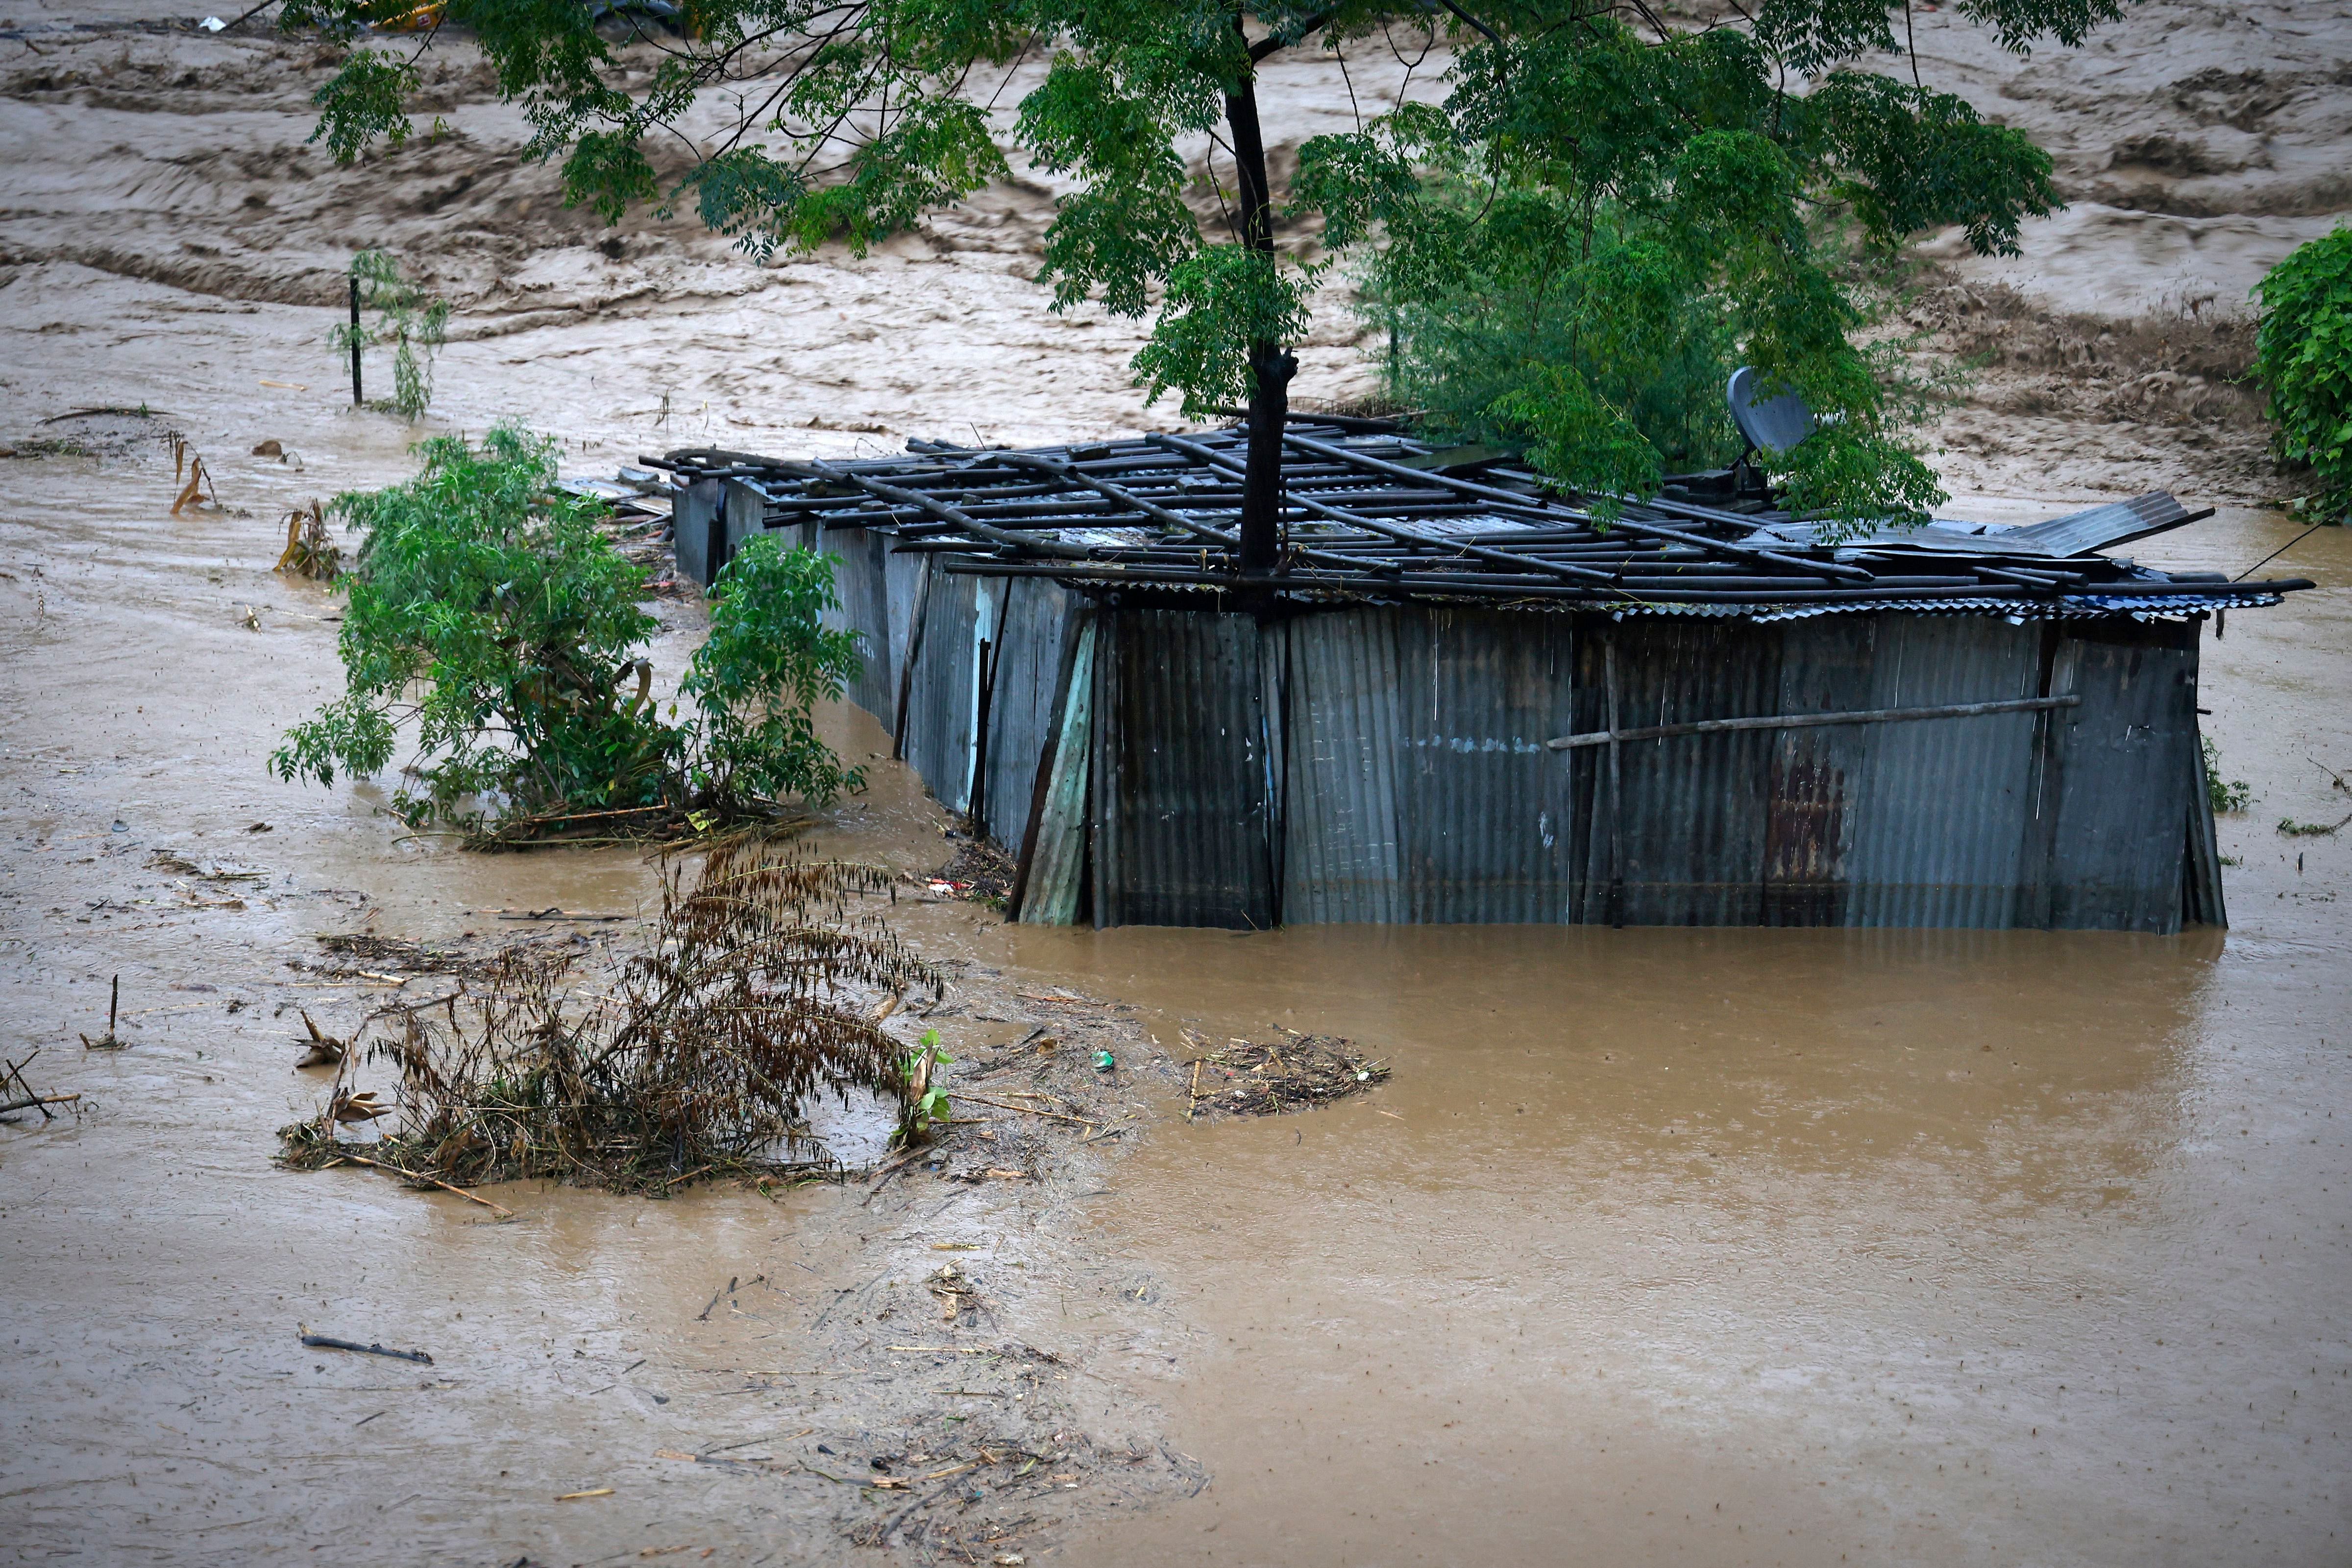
column 2224, row 794
column 926, row 1100
column 1503, row 333
column 1220, row 300
column 756, row 679
column 490, row 616
column 366, row 101
column 1639, row 202
column 414, row 324
column 2302, row 356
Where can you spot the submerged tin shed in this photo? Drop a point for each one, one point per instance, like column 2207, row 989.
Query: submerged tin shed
column 1462, row 698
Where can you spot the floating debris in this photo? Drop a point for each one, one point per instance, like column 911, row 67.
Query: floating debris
column 1297, row 1072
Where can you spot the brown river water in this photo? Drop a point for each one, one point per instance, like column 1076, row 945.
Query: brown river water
column 1688, row 1247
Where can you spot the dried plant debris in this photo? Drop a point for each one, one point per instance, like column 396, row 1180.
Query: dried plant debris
column 970, row 1501
column 311, row 550
column 692, row 1057
column 1294, row 1073
column 174, row 864
column 18, row 1094
column 376, row 956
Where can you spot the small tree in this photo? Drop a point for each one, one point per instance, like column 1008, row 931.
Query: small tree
column 2302, row 356
column 1710, row 146
column 412, row 323
column 490, row 617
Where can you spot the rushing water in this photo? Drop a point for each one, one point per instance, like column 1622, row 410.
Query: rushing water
column 1660, row 1246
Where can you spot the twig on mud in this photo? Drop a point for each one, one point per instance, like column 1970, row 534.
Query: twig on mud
column 40, row 1102
column 113, row 1005
column 502, row 1213
column 328, row 1342
column 1032, row 1110
column 34, row 1099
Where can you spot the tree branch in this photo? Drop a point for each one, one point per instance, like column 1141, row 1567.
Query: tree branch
column 1491, row 36
column 1275, row 41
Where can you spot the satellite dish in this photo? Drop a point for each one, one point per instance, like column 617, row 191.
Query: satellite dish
column 1771, row 424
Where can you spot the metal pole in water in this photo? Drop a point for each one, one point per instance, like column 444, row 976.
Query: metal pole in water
column 355, row 341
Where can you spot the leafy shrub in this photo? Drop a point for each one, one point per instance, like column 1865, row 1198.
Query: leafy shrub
column 756, row 681
column 490, row 615
column 2225, row 794
column 2303, row 357
column 1481, row 338
column 412, row 323
column 1589, row 335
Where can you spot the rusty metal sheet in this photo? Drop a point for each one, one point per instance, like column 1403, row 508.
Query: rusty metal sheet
column 1825, row 667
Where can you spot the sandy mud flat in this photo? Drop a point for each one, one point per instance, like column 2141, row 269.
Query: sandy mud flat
column 1709, row 1247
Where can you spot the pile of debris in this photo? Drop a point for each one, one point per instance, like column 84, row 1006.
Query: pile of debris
column 638, row 524
column 978, row 873
column 1296, row 1073
column 692, row 1057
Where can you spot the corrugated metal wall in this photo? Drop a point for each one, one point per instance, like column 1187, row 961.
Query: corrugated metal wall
column 861, row 577
column 1024, row 666
column 1342, row 720
column 1385, row 764
column 1826, row 666
column 1057, row 853
column 1943, row 808
column 2126, row 761
column 1181, row 799
column 1693, row 819
column 1483, row 807
column 943, row 694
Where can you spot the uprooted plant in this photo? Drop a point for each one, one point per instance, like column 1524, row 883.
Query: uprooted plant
column 695, row 1057
column 490, row 614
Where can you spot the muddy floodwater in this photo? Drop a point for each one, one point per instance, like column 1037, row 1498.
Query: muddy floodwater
column 1682, row 1247
column 1692, row 1246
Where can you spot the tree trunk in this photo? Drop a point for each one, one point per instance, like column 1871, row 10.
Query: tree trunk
column 1271, row 366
